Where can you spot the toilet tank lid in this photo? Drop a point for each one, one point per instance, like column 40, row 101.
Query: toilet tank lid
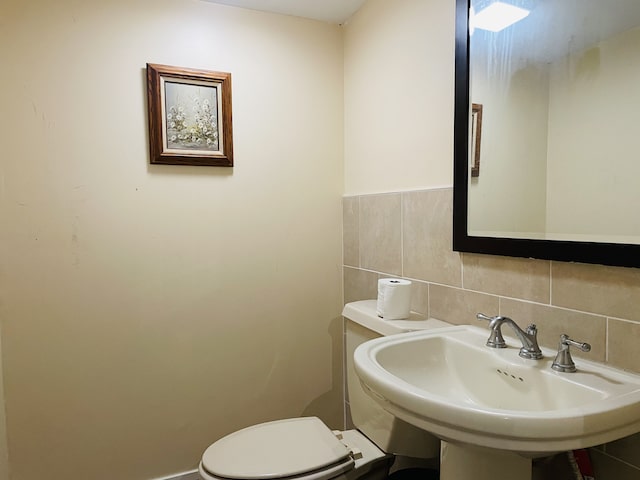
column 276, row 449
column 364, row 312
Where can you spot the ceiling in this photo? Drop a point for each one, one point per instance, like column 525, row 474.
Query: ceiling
column 332, row 11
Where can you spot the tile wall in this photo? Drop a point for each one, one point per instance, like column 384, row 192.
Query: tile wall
column 409, row 235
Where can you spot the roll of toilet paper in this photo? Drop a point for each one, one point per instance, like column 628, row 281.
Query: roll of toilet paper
column 394, row 298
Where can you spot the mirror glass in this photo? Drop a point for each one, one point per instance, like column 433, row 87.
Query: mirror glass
column 551, row 122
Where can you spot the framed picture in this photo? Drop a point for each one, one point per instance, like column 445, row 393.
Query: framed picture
column 189, row 116
column 476, row 136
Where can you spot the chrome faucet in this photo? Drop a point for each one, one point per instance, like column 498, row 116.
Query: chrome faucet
column 529, row 338
column 563, row 361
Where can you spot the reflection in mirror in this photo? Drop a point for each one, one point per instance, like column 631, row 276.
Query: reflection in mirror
column 475, row 138
column 560, row 94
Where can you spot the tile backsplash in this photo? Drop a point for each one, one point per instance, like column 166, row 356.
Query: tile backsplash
column 409, row 235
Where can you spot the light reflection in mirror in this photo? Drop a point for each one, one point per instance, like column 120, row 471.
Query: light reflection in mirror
column 560, row 97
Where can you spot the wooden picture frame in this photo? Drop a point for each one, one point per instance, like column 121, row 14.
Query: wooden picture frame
column 190, row 121
column 476, row 137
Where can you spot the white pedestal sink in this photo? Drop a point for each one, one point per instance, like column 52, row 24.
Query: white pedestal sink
column 493, row 410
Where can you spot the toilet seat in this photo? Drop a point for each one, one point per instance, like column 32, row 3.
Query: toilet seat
column 296, row 447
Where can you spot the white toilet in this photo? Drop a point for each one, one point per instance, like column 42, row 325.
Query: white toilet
column 306, row 449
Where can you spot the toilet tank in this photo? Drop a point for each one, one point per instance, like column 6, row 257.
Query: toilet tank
column 388, row 432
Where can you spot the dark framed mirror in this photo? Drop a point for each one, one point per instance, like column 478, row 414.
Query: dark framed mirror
column 541, row 82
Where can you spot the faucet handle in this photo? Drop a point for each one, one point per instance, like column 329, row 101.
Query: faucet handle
column 584, row 346
column 482, row 316
column 563, row 361
column 496, row 340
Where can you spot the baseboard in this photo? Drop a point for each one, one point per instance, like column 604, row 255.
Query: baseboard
column 191, row 475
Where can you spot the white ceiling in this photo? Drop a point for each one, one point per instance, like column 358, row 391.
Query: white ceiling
column 332, row 11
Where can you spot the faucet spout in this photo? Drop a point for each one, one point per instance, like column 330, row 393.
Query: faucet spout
column 529, row 338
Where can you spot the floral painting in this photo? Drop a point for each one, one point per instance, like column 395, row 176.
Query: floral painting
column 192, row 116
column 190, row 120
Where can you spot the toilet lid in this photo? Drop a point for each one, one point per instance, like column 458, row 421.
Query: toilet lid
column 276, row 449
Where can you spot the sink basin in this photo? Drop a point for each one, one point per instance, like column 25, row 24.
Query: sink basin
column 449, row 383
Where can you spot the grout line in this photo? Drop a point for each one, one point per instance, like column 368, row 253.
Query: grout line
column 550, row 305
column 406, row 190
column 606, row 340
column 619, row 460
column 626, row 320
column 342, row 246
column 551, row 283
column 344, row 374
column 359, row 233
column 402, row 234
column 502, row 297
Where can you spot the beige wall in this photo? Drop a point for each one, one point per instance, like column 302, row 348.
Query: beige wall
column 398, row 89
column 408, row 234
column 510, row 193
column 592, row 130
column 149, row 310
